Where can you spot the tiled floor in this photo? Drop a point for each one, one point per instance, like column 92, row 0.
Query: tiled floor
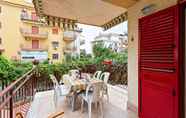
column 43, row 106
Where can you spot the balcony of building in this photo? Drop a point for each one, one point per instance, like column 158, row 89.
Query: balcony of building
column 71, row 35
column 82, row 41
column 70, row 49
column 29, row 33
column 31, row 18
column 25, row 47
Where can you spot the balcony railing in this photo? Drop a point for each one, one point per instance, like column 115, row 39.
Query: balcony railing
column 70, row 49
column 20, row 92
column 82, row 42
column 30, row 48
column 28, row 33
column 69, row 35
column 30, row 19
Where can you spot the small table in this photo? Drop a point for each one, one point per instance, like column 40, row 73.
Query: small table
column 79, row 85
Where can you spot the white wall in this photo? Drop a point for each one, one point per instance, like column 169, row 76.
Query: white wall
column 134, row 13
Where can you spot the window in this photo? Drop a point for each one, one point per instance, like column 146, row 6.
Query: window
column 55, row 56
column 35, row 29
column 24, row 14
column 34, row 16
column 55, row 31
column 35, row 44
column 55, row 44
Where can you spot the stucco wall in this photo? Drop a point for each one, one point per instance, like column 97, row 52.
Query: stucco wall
column 12, row 38
column 10, row 34
column 134, row 13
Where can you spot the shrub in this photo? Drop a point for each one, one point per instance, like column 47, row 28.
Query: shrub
column 11, row 70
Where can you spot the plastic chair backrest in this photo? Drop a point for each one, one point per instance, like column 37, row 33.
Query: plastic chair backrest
column 66, row 78
column 74, row 73
column 97, row 75
column 105, row 77
column 54, row 80
column 96, row 89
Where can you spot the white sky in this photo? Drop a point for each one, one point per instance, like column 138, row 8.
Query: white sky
column 90, row 32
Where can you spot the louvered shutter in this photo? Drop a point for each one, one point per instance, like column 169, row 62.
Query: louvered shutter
column 158, row 51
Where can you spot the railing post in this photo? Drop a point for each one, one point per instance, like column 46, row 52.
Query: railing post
column 11, row 104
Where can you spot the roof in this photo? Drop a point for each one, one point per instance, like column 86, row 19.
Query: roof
column 91, row 12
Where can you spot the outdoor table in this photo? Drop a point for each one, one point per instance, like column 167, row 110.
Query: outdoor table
column 78, row 85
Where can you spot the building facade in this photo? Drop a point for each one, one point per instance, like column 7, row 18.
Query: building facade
column 72, row 40
column 114, row 41
column 23, row 36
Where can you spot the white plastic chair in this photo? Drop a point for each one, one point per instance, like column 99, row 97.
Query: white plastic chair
column 93, row 94
column 74, row 73
column 72, row 96
column 97, row 75
column 105, row 77
column 60, row 91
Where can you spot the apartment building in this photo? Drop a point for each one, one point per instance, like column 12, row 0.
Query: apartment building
column 72, row 41
column 114, row 41
column 24, row 36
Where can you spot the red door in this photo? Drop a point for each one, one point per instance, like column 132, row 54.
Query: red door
column 35, row 44
column 158, row 65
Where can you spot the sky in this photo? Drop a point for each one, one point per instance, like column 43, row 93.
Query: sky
column 90, row 32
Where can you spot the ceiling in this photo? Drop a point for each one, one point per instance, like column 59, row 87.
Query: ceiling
column 91, row 12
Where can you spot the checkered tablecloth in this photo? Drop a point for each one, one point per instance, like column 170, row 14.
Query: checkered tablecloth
column 80, row 84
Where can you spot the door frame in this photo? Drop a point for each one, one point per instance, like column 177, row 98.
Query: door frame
column 182, row 48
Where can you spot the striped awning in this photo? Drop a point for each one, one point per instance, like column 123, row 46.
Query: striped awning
column 66, row 24
column 67, row 13
column 121, row 18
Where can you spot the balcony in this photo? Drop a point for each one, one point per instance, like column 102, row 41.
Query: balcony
column 31, row 91
column 71, row 34
column 29, row 19
column 69, row 49
column 82, row 42
column 29, row 34
column 29, row 48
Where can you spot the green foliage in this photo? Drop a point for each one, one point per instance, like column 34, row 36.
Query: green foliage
column 11, row 70
column 101, row 53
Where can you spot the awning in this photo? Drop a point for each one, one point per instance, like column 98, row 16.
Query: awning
column 91, row 12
